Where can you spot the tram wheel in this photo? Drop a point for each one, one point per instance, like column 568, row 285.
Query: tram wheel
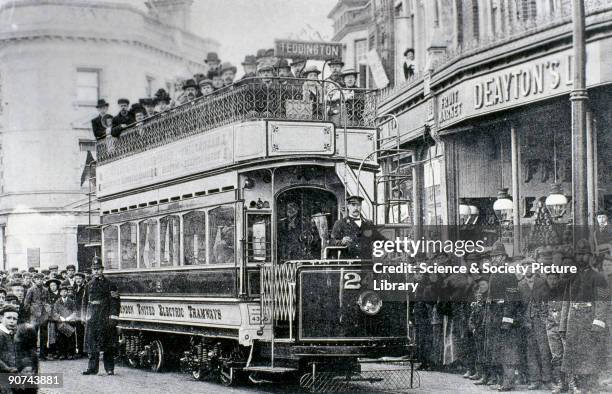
column 157, row 359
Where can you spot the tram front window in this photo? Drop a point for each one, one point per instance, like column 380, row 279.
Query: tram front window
column 194, row 238
column 148, row 243
column 128, row 245
column 111, row 247
column 221, row 235
column 169, row 242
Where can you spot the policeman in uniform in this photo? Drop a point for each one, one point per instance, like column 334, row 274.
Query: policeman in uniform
column 355, row 232
column 100, row 310
column 502, row 323
column 583, row 322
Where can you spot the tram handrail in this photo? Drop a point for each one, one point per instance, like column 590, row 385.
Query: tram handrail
column 270, row 98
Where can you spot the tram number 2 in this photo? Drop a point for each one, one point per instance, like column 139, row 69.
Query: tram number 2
column 352, row 281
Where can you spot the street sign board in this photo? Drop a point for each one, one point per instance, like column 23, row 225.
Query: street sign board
column 310, row 50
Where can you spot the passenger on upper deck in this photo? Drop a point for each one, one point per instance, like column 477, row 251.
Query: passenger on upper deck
column 149, row 105
column 312, row 91
column 249, row 66
column 297, row 66
column 284, row 70
column 206, row 86
column 123, row 119
column 217, row 81
column 190, row 90
column 102, row 123
column 228, row 73
column 162, row 101
column 335, row 65
column 213, row 62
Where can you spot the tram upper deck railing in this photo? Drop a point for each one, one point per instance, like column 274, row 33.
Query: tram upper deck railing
column 258, row 98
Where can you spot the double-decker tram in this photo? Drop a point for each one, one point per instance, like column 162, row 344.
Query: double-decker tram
column 216, row 216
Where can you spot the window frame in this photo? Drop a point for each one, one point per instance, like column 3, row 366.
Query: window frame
column 98, row 72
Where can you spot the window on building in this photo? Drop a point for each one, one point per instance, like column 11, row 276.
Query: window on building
column 459, row 21
column 170, row 227
column 148, row 243
column 221, row 234
column 361, row 51
column 194, row 238
column 128, row 245
column 88, row 86
column 150, row 85
column 475, row 20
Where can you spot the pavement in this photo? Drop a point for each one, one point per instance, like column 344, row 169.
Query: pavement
column 135, row 381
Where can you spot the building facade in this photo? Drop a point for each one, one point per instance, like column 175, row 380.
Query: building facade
column 57, row 58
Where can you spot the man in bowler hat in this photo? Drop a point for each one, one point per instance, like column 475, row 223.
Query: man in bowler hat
column 102, row 123
column 100, row 311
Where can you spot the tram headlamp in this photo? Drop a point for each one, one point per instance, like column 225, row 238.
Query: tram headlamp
column 369, row 302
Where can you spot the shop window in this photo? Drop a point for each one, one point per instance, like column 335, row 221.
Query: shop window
column 148, row 243
column 259, row 242
column 221, row 235
column 194, row 238
column 129, row 243
column 111, row 247
column 432, row 197
column 170, row 228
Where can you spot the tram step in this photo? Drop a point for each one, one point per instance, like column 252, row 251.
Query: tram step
column 268, row 369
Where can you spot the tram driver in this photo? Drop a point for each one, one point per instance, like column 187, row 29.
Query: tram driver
column 354, row 232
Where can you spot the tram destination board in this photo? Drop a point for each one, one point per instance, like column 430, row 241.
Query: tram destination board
column 311, row 50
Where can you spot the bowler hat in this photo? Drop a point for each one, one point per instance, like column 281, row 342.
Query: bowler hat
column 311, row 69
column 349, row 71
column 56, row 281
column 70, row 267
column 336, row 61
column 211, row 57
column 123, row 101
column 227, row 66
column 283, row 63
column 498, row 249
column 249, row 60
column 354, row 198
column 190, row 83
column 101, row 103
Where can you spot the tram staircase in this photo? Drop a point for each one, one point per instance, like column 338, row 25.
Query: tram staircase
column 353, row 186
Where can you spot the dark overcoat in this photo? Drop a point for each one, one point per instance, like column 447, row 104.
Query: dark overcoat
column 99, row 124
column 97, row 307
column 122, row 119
column 37, row 304
column 362, row 237
column 502, row 321
column 584, row 320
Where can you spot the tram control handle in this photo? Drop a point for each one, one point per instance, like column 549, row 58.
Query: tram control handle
column 333, row 252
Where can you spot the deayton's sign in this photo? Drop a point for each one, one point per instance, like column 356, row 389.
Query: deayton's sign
column 515, row 85
column 307, row 50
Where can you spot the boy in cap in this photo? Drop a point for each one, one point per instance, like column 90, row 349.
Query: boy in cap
column 102, row 124
column 36, row 304
column 206, row 86
column 64, row 314
column 123, row 119
column 9, row 315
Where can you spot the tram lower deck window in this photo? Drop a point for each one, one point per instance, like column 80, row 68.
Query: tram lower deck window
column 169, row 241
column 222, row 229
column 111, row 247
column 148, row 243
column 194, row 238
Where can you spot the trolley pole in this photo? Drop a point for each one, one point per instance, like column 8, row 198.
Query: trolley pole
column 578, row 98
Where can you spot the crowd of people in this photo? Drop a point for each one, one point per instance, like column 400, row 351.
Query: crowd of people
column 259, row 69
column 548, row 331
column 51, row 315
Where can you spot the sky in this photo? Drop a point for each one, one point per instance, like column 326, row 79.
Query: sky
column 243, row 26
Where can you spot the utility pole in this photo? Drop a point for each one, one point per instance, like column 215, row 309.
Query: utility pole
column 578, row 98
